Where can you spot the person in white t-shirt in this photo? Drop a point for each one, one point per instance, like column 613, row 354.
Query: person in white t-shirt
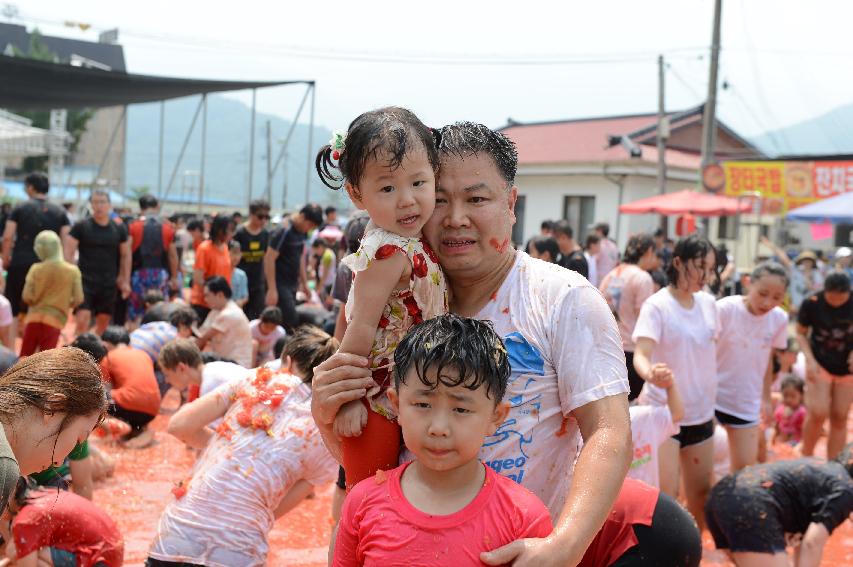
column 226, row 328
column 590, row 253
column 568, row 371
column 751, row 327
column 266, row 330
column 262, row 460
column 675, row 337
column 650, row 427
column 626, row 288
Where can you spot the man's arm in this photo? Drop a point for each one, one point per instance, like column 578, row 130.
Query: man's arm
column 8, row 240
column 341, row 378
column 270, row 256
column 599, row 473
column 70, row 248
column 124, row 261
column 64, row 235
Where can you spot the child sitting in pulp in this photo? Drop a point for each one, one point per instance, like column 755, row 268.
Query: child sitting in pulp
column 387, row 164
column 791, row 413
column 263, row 458
column 445, row 507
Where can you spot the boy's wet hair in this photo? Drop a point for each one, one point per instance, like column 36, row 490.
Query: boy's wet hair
column 91, row 344
column 838, row 282
column 469, row 346
column 466, row 138
column 390, row 131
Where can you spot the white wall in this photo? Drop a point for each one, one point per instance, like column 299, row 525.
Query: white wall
column 544, row 200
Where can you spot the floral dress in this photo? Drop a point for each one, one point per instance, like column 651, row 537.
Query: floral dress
column 425, row 298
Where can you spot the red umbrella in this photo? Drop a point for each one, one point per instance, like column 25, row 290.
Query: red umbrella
column 687, row 201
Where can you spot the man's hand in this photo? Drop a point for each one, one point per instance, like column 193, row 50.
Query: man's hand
column 533, row 552
column 272, row 297
column 123, row 287
column 813, row 368
column 341, row 378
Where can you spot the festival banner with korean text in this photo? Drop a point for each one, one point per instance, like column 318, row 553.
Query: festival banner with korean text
column 786, row 185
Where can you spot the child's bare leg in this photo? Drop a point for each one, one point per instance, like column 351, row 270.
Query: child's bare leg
column 351, row 419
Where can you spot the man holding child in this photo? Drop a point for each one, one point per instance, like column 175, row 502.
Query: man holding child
column 568, row 376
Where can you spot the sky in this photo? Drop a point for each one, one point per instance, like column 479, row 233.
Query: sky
column 783, row 61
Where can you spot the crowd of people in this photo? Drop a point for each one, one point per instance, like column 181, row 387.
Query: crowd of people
column 474, row 403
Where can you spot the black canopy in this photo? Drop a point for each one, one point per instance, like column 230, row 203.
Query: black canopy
column 26, row 84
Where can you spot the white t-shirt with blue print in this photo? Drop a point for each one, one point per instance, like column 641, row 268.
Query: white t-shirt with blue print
column 565, row 352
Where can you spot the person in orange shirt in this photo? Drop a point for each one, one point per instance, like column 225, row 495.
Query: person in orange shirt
column 211, row 259
column 135, row 396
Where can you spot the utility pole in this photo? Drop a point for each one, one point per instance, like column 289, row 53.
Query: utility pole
column 662, row 135
column 268, row 194
column 709, row 122
column 284, row 187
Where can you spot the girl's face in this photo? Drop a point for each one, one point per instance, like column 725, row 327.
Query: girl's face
column 765, row 294
column 792, row 397
column 49, row 445
column 694, row 273
column 399, row 200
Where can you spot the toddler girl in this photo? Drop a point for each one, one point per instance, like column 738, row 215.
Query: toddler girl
column 791, row 413
column 387, row 162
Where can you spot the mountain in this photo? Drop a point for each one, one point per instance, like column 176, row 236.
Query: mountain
column 828, row 134
column 226, row 166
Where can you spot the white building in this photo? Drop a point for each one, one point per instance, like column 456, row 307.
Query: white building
column 583, row 169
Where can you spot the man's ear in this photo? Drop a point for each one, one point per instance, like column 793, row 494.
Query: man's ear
column 498, row 417
column 354, row 195
column 394, row 398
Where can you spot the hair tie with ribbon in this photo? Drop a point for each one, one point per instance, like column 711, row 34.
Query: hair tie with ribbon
column 337, row 144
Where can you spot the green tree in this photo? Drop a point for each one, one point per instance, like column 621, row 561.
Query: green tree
column 76, row 120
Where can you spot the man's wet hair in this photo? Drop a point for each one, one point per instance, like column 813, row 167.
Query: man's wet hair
column 196, row 224
column 152, row 297
column 466, row 138
column 116, row 335
column 183, row 316
column 391, row 132
column 259, row 206
column 218, row 284
column 838, row 282
column 469, row 346
column 38, row 181
column 148, row 202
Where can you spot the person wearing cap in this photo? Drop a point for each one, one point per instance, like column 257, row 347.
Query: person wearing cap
column 806, row 279
column 843, row 260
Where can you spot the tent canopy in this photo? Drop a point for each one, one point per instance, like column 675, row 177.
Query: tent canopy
column 687, row 201
column 27, row 84
column 838, row 209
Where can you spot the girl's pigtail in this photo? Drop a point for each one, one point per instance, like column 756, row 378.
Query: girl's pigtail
column 326, row 167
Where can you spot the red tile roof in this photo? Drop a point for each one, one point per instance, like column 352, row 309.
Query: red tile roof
column 586, row 140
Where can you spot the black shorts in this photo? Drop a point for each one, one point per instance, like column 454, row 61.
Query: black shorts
column 15, row 278
column 634, row 380
column 729, row 420
column 137, row 420
column 672, row 540
column 694, row 434
column 744, row 518
column 99, row 298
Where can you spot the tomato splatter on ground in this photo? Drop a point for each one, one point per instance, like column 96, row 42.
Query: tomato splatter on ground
column 141, row 487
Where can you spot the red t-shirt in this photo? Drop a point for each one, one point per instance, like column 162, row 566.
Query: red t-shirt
column 68, row 522
column 212, row 260
column 131, row 373
column 635, row 505
column 380, row 527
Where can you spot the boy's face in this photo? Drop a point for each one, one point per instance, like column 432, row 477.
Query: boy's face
column 267, row 328
column 180, row 376
column 236, row 256
column 445, row 427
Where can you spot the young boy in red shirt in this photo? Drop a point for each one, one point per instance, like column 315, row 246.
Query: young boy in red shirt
column 445, row 507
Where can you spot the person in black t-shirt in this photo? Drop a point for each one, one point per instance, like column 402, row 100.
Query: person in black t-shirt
column 825, row 335
column 25, row 222
column 757, row 511
column 571, row 255
column 284, row 265
column 254, row 238
column 104, row 261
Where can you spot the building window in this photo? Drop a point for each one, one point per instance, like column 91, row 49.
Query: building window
column 727, row 228
column 580, row 212
column 518, row 228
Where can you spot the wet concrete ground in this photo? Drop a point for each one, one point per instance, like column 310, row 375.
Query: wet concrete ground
column 143, row 480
